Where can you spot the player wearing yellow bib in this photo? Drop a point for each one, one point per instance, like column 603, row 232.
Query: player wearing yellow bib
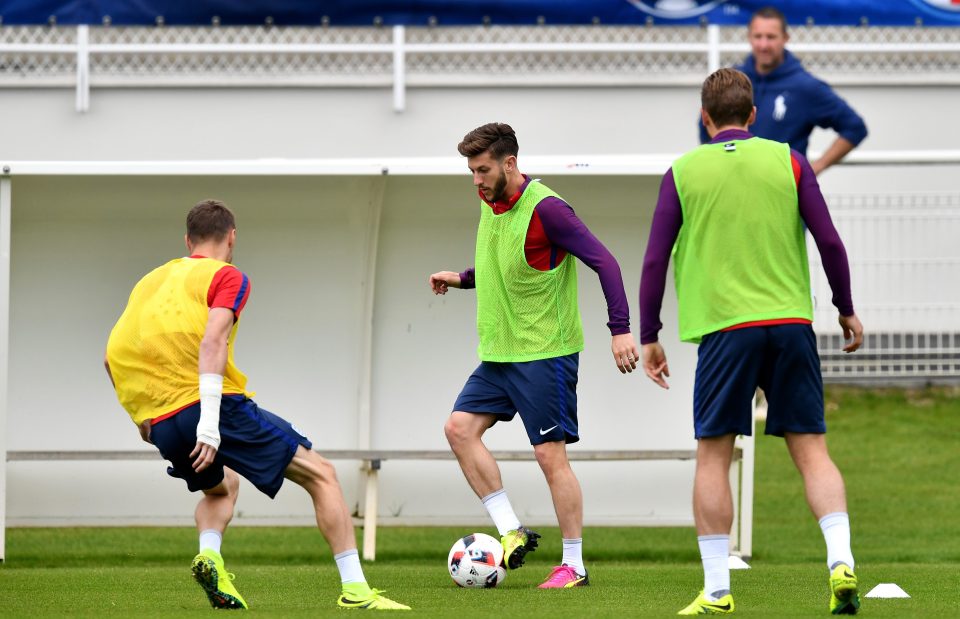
column 530, row 339
column 170, row 359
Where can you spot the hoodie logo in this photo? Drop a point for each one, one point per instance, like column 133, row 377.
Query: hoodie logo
column 779, row 108
column 676, row 9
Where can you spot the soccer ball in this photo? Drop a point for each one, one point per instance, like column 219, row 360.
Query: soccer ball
column 476, row 561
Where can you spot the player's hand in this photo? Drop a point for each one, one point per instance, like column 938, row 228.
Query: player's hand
column 442, row 281
column 624, row 352
column 145, row 428
column 852, row 332
column 204, row 455
column 655, row 363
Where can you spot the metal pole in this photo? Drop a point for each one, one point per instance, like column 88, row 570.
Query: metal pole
column 734, row 474
column 399, row 69
column 370, row 511
column 368, row 284
column 713, row 48
column 83, row 68
column 5, row 206
column 746, row 491
column 365, row 386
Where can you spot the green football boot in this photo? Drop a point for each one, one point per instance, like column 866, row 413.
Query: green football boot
column 844, row 599
column 516, row 544
column 210, row 573
column 360, row 596
column 703, row 606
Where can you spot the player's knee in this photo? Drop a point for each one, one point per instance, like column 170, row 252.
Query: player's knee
column 455, row 432
column 320, row 470
column 228, row 487
column 552, row 457
column 328, row 472
column 232, row 481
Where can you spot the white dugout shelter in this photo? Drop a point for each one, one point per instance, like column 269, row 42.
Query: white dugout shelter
column 341, row 335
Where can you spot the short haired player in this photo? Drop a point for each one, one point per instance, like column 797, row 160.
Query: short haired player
column 170, row 359
column 733, row 212
column 530, row 339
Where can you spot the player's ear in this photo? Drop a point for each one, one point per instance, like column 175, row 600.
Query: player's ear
column 186, row 241
column 509, row 163
column 705, row 118
column 753, row 116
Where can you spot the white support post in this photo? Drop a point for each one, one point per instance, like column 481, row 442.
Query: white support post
column 5, row 208
column 370, row 224
column 746, row 490
column 371, row 239
column 370, row 513
column 736, row 470
column 713, row 48
column 399, row 69
column 83, row 68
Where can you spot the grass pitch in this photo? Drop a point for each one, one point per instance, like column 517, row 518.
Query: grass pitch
column 898, row 450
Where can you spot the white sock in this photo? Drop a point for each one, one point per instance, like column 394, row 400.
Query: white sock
column 210, row 538
column 714, row 553
column 836, row 532
column 499, row 508
column 573, row 555
column 348, row 562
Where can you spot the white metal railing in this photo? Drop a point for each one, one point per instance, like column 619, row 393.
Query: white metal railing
column 395, row 50
column 905, row 268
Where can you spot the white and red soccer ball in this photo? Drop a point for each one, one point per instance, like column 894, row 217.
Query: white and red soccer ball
column 476, row 561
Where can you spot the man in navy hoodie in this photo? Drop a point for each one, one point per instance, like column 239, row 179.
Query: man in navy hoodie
column 790, row 101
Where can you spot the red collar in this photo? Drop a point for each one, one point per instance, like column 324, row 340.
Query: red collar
column 503, row 206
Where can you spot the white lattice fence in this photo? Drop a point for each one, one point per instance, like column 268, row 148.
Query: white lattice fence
column 839, row 53
column 445, row 56
column 243, row 55
column 37, row 55
column 905, row 270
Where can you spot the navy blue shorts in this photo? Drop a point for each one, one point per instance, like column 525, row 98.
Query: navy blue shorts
column 544, row 392
column 780, row 359
column 253, row 442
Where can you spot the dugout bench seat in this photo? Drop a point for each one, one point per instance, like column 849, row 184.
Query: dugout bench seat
column 372, row 461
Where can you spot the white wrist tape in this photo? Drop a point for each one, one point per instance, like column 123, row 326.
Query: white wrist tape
column 208, row 428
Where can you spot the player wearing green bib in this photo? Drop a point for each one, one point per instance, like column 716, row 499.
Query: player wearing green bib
column 530, row 339
column 734, row 212
column 522, row 314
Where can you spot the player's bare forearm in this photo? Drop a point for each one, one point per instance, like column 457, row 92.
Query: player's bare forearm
column 442, row 281
column 213, row 346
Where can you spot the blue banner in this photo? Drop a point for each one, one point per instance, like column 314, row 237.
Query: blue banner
column 474, row 12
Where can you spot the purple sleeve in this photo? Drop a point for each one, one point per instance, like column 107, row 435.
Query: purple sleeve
column 565, row 230
column 667, row 219
column 813, row 210
column 467, row 279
